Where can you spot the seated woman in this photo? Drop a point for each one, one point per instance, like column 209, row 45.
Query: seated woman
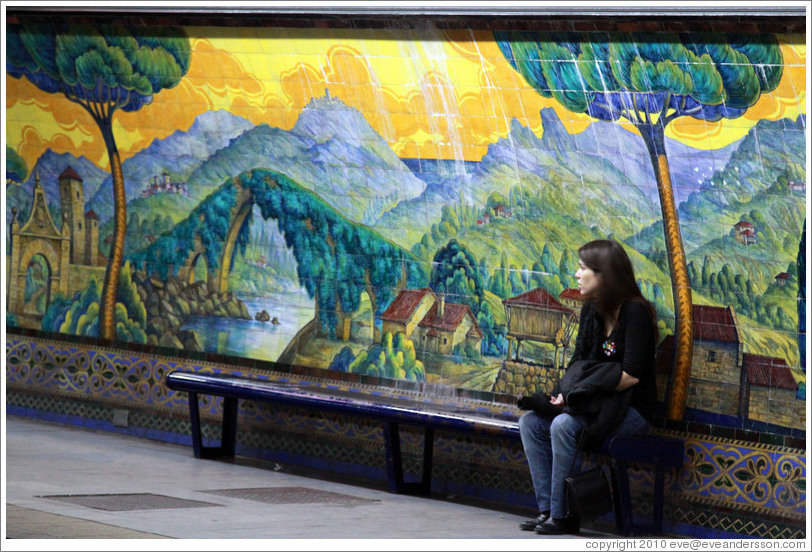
column 617, row 325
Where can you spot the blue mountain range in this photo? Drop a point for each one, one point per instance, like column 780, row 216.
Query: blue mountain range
column 331, row 150
column 178, row 155
column 48, row 168
column 602, row 176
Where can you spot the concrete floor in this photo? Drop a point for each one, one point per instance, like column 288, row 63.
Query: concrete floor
column 66, row 482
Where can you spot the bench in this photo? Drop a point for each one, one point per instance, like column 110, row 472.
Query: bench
column 393, row 409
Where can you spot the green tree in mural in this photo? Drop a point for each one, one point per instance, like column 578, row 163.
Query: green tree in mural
column 650, row 80
column 103, row 68
column 454, row 273
column 567, row 267
column 394, row 357
column 498, row 283
column 80, row 315
column 16, row 167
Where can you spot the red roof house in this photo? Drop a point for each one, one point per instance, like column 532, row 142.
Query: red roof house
column 715, row 324
column 450, row 318
column 571, row 293
column 419, row 313
column 769, row 372
column 405, row 304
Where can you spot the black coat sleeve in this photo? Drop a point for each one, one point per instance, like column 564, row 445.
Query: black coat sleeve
column 639, row 333
column 587, row 379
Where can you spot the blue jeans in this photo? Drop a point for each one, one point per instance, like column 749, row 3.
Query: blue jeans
column 550, row 446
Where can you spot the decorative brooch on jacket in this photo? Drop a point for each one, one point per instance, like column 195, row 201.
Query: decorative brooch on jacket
column 609, row 347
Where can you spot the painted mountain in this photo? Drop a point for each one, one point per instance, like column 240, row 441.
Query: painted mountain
column 48, row 167
column 177, row 155
column 601, row 177
column 567, row 173
column 753, row 186
column 331, row 150
column 689, row 166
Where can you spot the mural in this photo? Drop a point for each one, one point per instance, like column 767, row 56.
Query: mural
column 407, row 203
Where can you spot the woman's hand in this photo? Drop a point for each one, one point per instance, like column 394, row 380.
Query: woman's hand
column 557, row 401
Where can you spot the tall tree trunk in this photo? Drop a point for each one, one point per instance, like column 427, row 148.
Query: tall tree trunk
column 801, row 264
column 107, row 310
column 653, row 135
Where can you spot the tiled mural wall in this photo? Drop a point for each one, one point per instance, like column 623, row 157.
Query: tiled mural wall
column 403, row 199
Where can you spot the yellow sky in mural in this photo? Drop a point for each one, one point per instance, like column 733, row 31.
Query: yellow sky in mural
column 427, row 94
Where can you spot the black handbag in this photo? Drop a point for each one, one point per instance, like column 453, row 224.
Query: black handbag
column 588, row 494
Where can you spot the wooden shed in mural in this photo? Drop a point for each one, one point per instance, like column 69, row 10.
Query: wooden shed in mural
column 572, row 299
column 536, row 316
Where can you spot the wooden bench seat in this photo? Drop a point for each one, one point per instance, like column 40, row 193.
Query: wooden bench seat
column 393, row 409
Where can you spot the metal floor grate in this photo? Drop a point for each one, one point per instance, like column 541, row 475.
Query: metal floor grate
column 293, row 495
column 126, row 502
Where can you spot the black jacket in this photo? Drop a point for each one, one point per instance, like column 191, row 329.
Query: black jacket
column 589, row 390
column 633, row 342
column 632, row 349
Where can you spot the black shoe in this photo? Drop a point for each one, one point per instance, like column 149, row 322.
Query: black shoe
column 552, row 526
column 531, row 524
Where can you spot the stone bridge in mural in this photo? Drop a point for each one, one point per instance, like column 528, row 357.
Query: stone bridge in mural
column 338, row 260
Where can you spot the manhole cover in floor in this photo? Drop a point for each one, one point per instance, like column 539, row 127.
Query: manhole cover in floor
column 293, row 495
column 126, row 502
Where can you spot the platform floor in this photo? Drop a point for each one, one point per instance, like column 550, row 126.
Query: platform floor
column 67, row 482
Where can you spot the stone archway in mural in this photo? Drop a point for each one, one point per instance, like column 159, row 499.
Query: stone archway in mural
column 320, row 239
column 199, row 272
column 217, row 277
column 41, row 252
column 189, row 272
column 349, row 325
column 242, row 208
column 37, row 241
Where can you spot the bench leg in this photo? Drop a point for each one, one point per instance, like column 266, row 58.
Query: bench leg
column 621, row 496
column 194, row 417
column 394, row 462
column 659, row 497
column 229, row 429
column 428, row 458
column 228, row 442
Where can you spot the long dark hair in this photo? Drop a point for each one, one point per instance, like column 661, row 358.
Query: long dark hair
column 608, row 259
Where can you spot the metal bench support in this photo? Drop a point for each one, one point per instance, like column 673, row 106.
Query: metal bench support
column 661, row 452
column 228, row 438
column 394, row 462
column 394, row 457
